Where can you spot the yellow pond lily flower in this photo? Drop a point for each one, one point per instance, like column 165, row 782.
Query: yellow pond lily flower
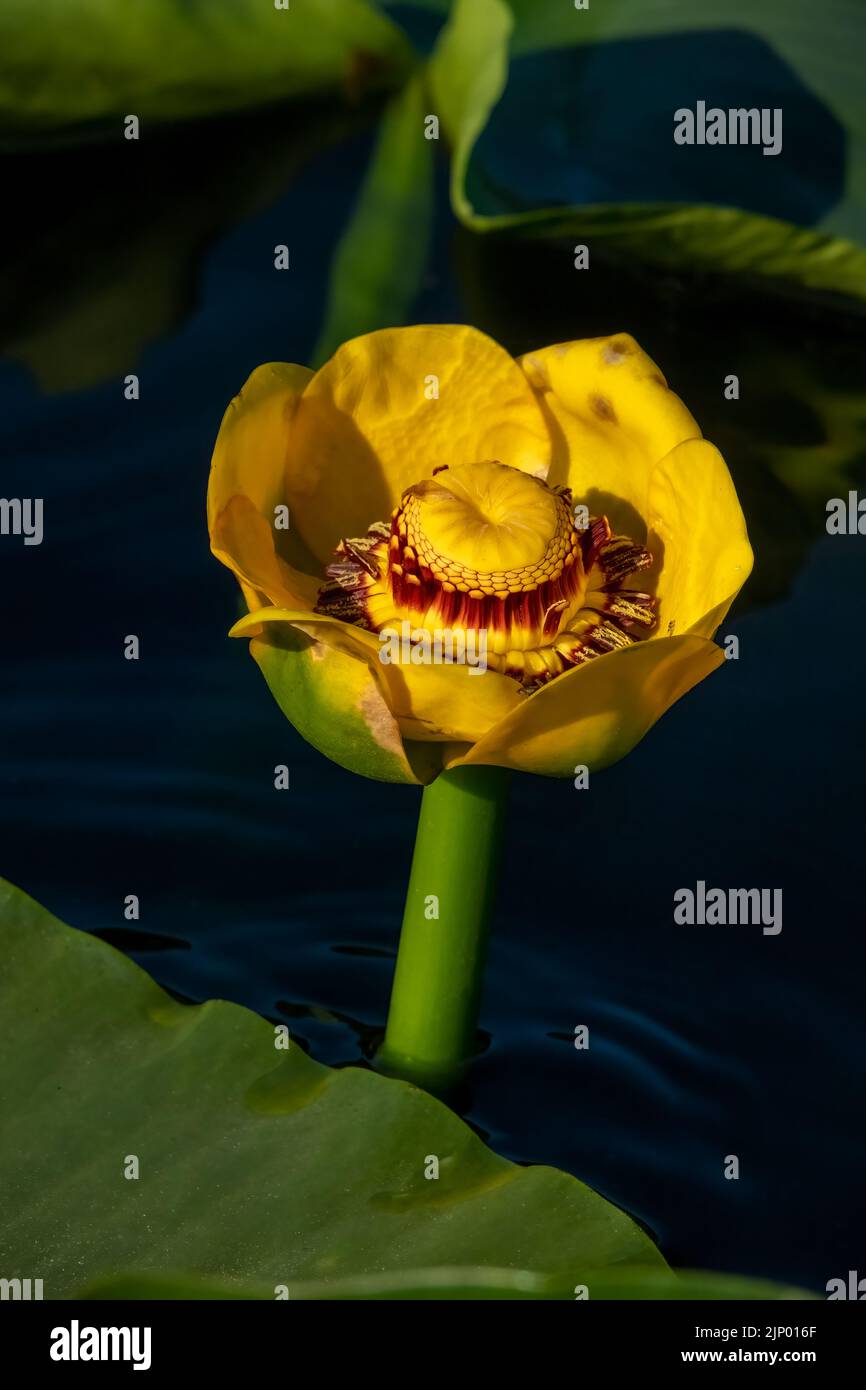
column 453, row 557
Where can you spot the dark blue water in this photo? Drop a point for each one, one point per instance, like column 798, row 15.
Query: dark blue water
column 602, row 129
column 156, row 777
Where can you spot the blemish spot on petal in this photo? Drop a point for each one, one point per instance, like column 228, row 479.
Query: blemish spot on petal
column 381, row 722
column 615, row 352
column 603, row 408
column 318, row 651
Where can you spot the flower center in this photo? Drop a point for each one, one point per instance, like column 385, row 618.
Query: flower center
column 485, row 548
column 485, row 519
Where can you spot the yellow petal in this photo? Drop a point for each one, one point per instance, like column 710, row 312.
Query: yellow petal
column 389, row 408
column 698, row 537
column 596, row 713
column 612, row 418
column 244, row 541
column 247, row 482
column 432, row 703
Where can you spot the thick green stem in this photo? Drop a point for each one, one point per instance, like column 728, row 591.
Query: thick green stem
column 440, row 964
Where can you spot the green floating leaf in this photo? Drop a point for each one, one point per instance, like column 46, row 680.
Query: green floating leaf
column 98, row 61
column 383, row 252
column 470, row 73
column 255, row 1166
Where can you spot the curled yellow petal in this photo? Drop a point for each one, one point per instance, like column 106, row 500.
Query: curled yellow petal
column 335, row 703
column 698, row 538
column 247, row 485
column 594, row 715
column 432, row 703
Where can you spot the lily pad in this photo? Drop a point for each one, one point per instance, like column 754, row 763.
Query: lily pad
column 254, row 1166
